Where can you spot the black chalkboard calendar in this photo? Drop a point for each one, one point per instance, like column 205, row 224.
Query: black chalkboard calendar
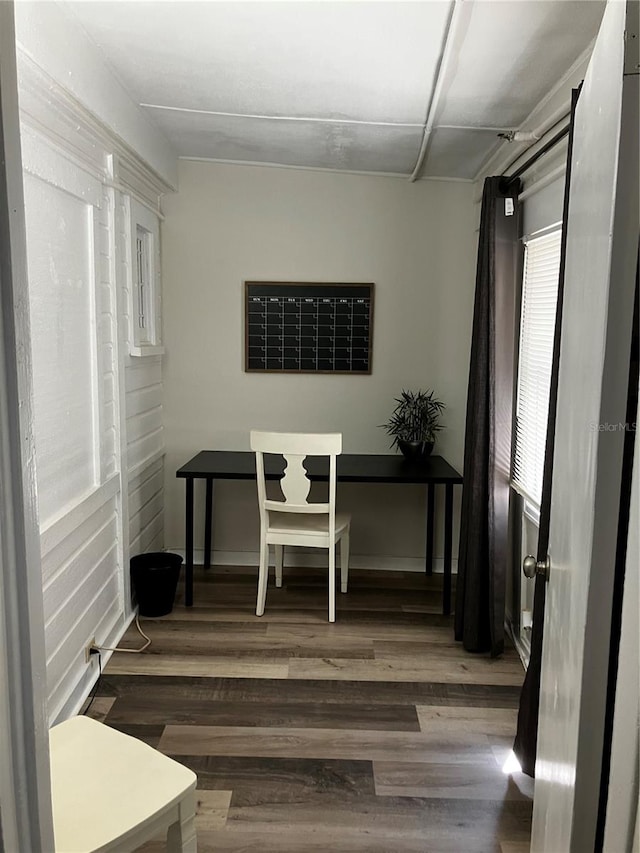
column 308, row 328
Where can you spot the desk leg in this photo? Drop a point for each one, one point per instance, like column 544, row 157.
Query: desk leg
column 188, row 587
column 431, row 507
column 448, row 537
column 208, row 513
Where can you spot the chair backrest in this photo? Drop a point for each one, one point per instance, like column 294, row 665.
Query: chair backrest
column 295, row 484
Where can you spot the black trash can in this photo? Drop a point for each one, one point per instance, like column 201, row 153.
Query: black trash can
column 155, row 579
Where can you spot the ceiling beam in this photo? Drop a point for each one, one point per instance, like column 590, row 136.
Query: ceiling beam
column 444, row 62
column 319, row 120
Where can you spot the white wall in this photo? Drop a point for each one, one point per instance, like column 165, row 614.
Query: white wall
column 48, row 34
column 143, row 442
column 72, row 300
column 231, row 223
column 98, row 412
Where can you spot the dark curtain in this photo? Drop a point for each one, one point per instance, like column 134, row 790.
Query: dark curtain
column 526, row 741
column 483, row 557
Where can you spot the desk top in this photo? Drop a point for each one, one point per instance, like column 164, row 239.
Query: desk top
column 352, row 468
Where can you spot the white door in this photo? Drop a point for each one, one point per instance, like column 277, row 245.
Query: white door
column 602, row 244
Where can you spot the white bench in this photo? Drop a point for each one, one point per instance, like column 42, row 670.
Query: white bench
column 114, row 792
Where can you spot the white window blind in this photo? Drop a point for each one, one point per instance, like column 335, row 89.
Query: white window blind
column 143, row 283
column 537, row 326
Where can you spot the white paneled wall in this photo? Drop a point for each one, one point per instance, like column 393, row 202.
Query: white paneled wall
column 146, row 509
column 145, row 455
column 144, row 413
column 72, row 301
column 107, row 319
column 98, row 410
column 143, row 410
column 62, row 259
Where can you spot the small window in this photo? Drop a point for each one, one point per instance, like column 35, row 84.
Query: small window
column 537, row 329
column 144, row 282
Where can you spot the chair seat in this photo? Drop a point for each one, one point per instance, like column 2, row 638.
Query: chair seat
column 105, row 785
column 301, row 523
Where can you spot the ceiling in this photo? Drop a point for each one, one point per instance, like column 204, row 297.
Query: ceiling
column 341, row 85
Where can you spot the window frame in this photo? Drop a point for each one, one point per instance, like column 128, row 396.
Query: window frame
column 531, row 502
column 144, row 340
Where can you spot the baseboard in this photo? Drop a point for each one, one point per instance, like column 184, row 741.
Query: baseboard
column 304, row 559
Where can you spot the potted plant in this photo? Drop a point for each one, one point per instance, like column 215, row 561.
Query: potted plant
column 414, row 423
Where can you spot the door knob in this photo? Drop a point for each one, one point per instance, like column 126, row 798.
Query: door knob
column 532, row 567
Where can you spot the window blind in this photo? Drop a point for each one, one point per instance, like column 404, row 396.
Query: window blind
column 143, row 285
column 537, row 327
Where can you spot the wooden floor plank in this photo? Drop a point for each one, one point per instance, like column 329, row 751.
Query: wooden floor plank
column 448, row 781
column 146, row 732
column 245, row 612
column 243, row 643
column 433, row 670
column 255, row 780
column 299, row 597
column 99, row 707
column 260, row 839
column 200, row 666
column 431, row 821
column 421, row 649
column 173, row 710
column 515, row 847
column 179, row 625
column 212, row 808
column 378, row 630
column 488, row 721
column 325, row 743
column 260, row 691
column 359, row 579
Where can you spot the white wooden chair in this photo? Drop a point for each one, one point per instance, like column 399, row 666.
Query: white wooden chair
column 295, row 521
column 114, row 792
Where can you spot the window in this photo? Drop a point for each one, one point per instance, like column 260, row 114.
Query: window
column 144, row 282
column 537, row 327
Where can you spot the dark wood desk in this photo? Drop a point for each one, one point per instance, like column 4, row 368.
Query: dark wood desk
column 213, row 465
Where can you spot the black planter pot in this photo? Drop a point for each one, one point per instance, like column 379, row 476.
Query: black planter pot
column 415, row 451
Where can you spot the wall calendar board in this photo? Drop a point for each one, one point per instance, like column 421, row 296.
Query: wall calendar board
column 308, row 328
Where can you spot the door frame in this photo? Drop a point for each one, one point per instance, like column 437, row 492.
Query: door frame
column 25, row 791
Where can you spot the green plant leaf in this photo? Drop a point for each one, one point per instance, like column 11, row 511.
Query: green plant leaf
column 415, row 417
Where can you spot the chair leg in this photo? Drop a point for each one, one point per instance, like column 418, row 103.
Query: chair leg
column 181, row 835
column 344, row 560
column 332, row 582
column 279, row 563
column 262, row 578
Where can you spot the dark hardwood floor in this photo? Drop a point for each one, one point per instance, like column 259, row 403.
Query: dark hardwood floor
column 377, row 733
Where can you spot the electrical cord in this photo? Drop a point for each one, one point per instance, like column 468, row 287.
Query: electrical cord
column 129, row 651
column 97, row 650
column 95, row 686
